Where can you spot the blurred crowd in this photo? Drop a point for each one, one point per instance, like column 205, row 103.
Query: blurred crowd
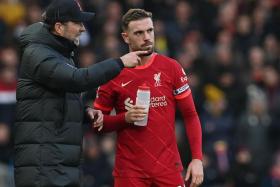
column 230, row 50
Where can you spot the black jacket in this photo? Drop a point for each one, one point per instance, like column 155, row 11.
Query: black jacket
column 49, row 114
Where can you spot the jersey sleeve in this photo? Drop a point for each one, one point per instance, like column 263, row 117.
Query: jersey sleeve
column 192, row 126
column 104, row 98
column 181, row 88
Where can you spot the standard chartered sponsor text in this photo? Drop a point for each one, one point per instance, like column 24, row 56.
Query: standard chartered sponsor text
column 158, row 101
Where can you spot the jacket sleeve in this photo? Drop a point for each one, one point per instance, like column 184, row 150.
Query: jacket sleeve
column 49, row 69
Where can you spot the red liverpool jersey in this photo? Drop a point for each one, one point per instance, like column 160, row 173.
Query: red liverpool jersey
column 150, row 150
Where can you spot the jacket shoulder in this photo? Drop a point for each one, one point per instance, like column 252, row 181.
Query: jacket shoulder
column 33, row 56
column 37, row 53
column 39, row 50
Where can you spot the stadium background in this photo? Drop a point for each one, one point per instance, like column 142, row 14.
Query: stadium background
column 230, row 50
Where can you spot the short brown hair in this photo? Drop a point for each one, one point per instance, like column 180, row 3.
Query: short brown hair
column 133, row 15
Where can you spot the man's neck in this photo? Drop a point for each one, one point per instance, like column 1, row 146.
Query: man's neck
column 145, row 59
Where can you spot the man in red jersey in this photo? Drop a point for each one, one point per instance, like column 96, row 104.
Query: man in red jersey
column 148, row 156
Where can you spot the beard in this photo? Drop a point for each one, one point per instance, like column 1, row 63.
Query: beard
column 149, row 47
column 77, row 41
column 150, row 51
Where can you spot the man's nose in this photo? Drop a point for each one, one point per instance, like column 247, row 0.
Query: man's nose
column 82, row 28
column 147, row 36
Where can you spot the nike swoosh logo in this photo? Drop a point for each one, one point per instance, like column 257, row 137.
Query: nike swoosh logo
column 124, row 84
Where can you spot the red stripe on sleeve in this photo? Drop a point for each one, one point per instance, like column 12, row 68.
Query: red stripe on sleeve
column 182, row 96
column 100, row 107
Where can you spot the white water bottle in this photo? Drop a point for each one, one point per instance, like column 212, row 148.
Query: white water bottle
column 143, row 99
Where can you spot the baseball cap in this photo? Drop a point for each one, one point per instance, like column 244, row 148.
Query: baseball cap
column 66, row 10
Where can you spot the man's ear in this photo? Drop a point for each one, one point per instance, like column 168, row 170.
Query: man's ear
column 125, row 37
column 58, row 28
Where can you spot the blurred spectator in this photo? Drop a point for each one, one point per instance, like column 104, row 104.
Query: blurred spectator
column 181, row 24
column 272, row 89
column 217, row 126
column 192, row 58
column 7, row 93
column 5, row 143
column 6, row 155
column 111, row 18
column 33, row 14
column 273, row 177
column 190, row 54
column 225, row 39
column 111, row 47
column 208, row 18
column 113, row 11
column 15, row 7
column 95, row 159
column 86, row 58
column 256, row 64
column 161, row 44
column 9, row 56
column 243, row 35
column 8, row 78
column 252, row 136
column 108, row 147
column 271, row 81
column 272, row 49
column 224, row 68
column 227, row 15
column 260, row 17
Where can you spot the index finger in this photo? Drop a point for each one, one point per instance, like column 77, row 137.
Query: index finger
column 141, row 107
column 140, row 52
column 91, row 115
column 99, row 118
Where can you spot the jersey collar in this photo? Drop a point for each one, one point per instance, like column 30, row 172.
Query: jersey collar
column 150, row 62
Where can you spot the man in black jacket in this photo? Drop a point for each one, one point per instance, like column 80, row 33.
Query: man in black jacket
column 49, row 115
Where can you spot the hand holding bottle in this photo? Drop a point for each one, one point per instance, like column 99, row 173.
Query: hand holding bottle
column 137, row 114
